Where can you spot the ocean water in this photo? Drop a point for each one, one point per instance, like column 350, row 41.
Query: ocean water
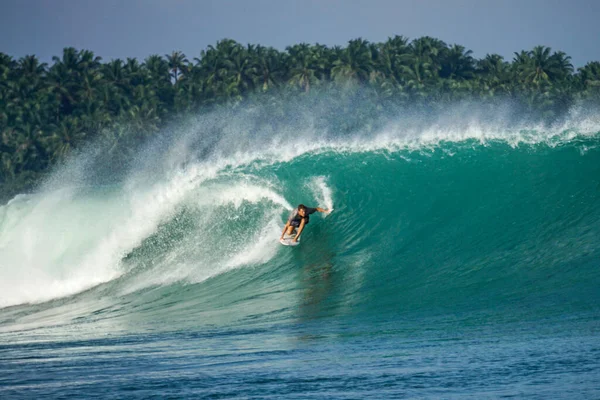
column 462, row 261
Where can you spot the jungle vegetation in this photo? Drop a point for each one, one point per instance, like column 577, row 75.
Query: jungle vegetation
column 47, row 111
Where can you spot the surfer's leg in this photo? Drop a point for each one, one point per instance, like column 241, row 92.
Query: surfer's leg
column 292, row 227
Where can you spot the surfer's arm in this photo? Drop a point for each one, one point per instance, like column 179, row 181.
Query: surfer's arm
column 322, row 210
column 300, row 229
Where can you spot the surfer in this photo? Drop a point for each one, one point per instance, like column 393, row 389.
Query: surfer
column 298, row 219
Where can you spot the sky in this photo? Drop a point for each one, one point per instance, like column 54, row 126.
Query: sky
column 138, row 28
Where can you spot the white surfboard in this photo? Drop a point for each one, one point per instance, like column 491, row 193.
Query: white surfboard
column 288, row 240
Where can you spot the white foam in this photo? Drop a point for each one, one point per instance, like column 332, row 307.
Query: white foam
column 238, row 192
column 202, row 255
column 43, row 247
column 257, row 250
column 66, row 242
column 322, row 192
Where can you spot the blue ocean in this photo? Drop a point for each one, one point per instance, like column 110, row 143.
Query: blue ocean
column 462, row 260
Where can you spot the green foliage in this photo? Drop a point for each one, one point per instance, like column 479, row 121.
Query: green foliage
column 46, row 112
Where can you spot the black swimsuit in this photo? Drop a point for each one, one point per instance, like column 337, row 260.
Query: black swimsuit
column 295, row 218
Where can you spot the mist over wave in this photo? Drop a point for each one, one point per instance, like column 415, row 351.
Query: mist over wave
column 430, row 212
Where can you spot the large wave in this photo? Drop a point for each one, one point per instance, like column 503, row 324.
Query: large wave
column 431, row 214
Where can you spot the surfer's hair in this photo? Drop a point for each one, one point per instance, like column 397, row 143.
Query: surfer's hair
column 301, row 207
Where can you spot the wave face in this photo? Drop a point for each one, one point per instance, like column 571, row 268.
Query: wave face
column 481, row 223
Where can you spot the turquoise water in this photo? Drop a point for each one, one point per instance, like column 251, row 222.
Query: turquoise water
column 458, row 262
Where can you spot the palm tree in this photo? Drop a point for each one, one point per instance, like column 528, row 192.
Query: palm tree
column 208, row 68
column 143, row 119
column 26, row 89
column 419, row 67
column 67, row 135
column 177, row 63
column 213, row 66
column 63, row 85
column 324, row 59
column 188, row 95
column 115, row 85
column 590, row 74
column 240, row 70
column 304, row 66
column 392, row 55
column 70, row 59
column 6, row 65
column 427, row 50
column 134, row 73
column 457, row 63
column 495, row 74
column 89, row 90
column 269, row 66
column 28, row 148
column 563, row 65
column 589, row 78
column 159, row 80
column 189, row 90
column 355, row 64
column 158, row 70
column 30, row 68
column 539, row 67
column 415, row 76
column 87, row 61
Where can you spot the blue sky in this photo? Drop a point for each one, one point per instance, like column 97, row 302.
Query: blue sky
column 138, row 28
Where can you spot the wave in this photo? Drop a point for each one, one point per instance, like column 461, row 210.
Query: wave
column 428, row 215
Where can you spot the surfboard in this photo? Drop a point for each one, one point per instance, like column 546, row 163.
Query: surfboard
column 288, row 240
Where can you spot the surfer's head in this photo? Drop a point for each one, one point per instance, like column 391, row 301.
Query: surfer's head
column 302, row 210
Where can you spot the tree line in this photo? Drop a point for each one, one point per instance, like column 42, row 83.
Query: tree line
column 47, row 111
